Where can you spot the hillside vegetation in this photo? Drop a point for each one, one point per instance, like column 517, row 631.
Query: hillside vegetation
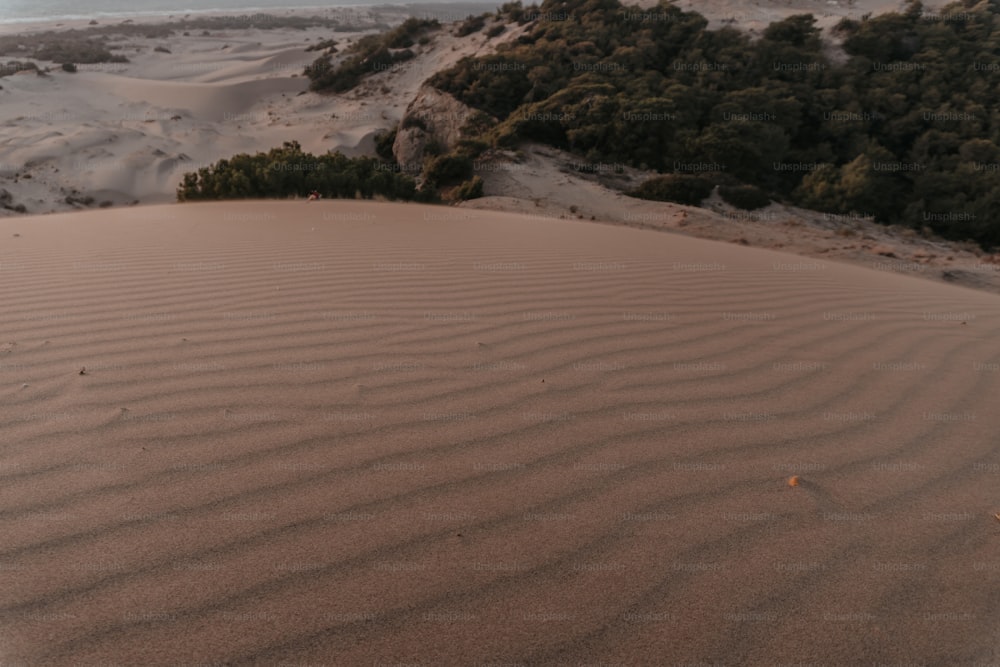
column 289, row 172
column 905, row 131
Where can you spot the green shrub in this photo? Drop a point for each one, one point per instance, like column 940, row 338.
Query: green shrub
column 448, row 169
column 678, row 188
column 496, row 30
column 471, row 147
column 370, row 54
column 403, row 36
column 13, row 67
column 68, row 67
column 329, row 45
column 471, row 24
column 471, row 189
column 746, row 197
column 433, row 148
column 383, row 144
column 513, row 11
column 288, row 172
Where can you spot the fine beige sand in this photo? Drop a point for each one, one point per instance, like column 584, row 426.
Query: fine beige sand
column 345, row 433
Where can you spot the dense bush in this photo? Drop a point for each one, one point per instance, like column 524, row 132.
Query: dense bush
column 448, row 169
column 905, row 130
column 82, row 51
column 471, row 189
column 746, row 197
column 678, row 188
column 368, row 55
column 383, row 144
column 328, row 45
column 472, row 24
column 14, row 66
column 68, row 67
column 288, row 172
column 403, row 35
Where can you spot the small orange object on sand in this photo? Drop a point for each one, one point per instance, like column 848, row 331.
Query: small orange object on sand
column 793, row 480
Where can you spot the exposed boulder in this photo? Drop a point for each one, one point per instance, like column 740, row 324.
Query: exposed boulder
column 433, row 119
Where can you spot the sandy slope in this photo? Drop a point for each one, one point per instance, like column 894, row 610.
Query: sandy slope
column 545, row 181
column 348, row 433
column 127, row 132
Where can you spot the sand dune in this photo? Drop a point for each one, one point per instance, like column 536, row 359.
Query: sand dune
column 205, row 101
column 354, row 433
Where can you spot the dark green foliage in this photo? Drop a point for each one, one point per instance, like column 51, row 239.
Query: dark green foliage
column 448, row 169
column 68, row 67
column 678, row 188
column 478, row 124
column 288, row 172
column 413, row 121
column 14, row 66
column 432, row 148
column 320, row 69
column 746, row 197
column 82, row 51
column 383, row 144
column 72, row 200
column 471, row 25
column 369, row 55
column 512, row 11
column 471, row 189
column 328, row 45
column 797, row 31
column 496, row 30
column 905, row 131
column 403, row 36
column 471, row 147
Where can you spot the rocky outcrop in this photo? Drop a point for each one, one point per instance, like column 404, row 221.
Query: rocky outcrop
column 433, row 118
